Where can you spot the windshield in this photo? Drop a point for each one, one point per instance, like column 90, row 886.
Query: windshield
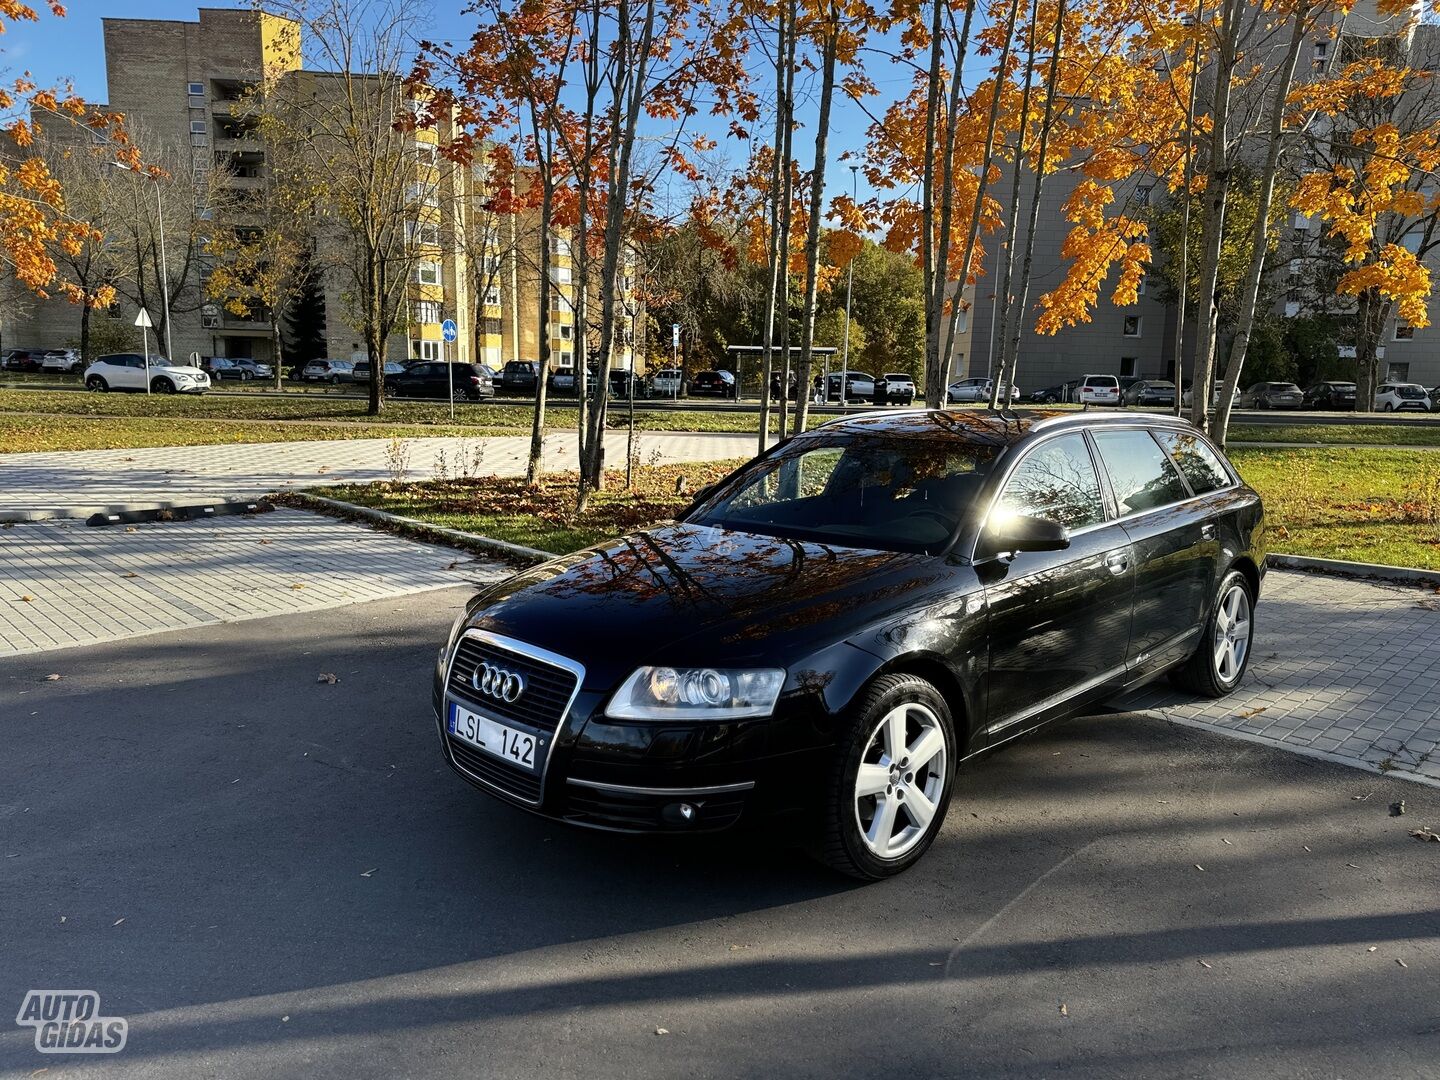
column 858, row 492
column 1411, row 392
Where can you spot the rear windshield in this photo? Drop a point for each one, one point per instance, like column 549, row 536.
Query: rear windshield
column 667, row 373
column 1102, row 381
column 1285, row 387
column 896, row 376
column 1410, row 392
column 856, row 492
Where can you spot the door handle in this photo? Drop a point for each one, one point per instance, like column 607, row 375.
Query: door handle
column 1207, row 531
column 1118, row 562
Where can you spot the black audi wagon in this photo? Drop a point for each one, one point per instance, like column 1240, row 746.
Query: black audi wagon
column 830, row 630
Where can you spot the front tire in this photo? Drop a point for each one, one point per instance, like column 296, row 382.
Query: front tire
column 161, row 385
column 96, row 385
column 890, row 785
column 1220, row 660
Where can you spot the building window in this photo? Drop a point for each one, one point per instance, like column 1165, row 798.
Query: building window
column 424, row 194
column 1404, row 332
column 425, row 350
column 423, row 232
column 427, row 153
column 492, row 296
column 1132, row 325
column 1142, row 194
column 197, row 127
column 1129, row 365
column 1398, row 373
column 1322, row 53
column 427, row 272
column 567, row 359
column 195, row 89
column 1140, row 288
column 559, row 246
column 427, row 311
column 559, row 302
column 566, row 331
column 560, row 275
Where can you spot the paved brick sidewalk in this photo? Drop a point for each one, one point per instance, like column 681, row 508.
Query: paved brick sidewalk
column 91, row 585
column 1342, row 669
column 76, row 484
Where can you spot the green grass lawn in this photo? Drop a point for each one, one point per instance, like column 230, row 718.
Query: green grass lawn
column 1376, row 506
column 1361, row 505
column 1400, row 433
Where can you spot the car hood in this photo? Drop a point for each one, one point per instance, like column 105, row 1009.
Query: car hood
column 179, row 369
column 692, row 594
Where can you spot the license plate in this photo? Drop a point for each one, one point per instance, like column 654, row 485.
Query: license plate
column 506, row 743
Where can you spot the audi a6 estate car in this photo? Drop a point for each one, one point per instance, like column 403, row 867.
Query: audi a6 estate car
column 829, row 631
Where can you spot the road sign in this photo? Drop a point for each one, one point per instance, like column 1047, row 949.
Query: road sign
column 675, row 335
column 448, row 331
column 143, row 319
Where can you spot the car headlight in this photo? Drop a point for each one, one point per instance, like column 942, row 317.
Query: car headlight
column 667, row 693
column 455, row 629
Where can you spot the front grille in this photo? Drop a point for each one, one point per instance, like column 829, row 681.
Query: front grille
column 516, row 781
column 547, row 693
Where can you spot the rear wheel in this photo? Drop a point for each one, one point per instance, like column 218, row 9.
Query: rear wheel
column 1220, row 660
column 96, row 385
column 161, row 385
column 891, row 781
column 334, row 380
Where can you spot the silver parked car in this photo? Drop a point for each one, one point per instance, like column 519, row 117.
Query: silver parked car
column 1272, row 395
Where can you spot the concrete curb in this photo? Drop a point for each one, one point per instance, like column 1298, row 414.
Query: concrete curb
column 1408, row 574
column 420, row 530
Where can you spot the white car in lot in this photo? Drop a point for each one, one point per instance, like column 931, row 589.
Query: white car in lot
column 1402, row 397
column 128, row 371
column 62, row 361
column 1099, row 390
column 667, row 382
column 974, row 390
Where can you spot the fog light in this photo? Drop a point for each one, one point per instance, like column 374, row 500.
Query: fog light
column 682, row 813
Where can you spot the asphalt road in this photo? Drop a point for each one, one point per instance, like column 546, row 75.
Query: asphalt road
column 307, row 891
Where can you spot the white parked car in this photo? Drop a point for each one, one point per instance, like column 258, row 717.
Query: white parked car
column 1402, row 397
column 62, row 361
column 667, row 382
column 127, row 371
column 1099, row 390
column 899, row 388
column 974, row 390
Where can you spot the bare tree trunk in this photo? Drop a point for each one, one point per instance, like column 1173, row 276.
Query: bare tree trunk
column 772, row 241
column 1250, row 297
column 1010, row 346
column 1374, row 312
column 374, row 317
column 1217, row 189
column 537, row 428
column 787, row 200
column 812, row 232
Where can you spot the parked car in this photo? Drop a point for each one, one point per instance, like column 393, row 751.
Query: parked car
column 859, row 387
column 1271, row 395
column 976, row 389
column 519, row 377
column 434, row 379
column 613, row 699
column 1217, row 388
column 667, row 382
column 623, row 383
column 1150, row 392
column 1435, row 399
column 895, row 388
column 334, row 372
column 129, row 371
column 360, row 373
column 62, row 362
column 719, row 384
column 240, row 369
column 1099, row 390
column 1402, row 397
column 1330, row 395
column 562, row 381
column 22, row 359
column 1053, row 395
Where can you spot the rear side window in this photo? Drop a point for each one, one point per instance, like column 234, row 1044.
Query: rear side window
column 1141, row 476
column 1056, row 481
column 1197, row 461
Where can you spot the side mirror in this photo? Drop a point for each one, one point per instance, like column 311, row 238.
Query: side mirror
column 1021, row 533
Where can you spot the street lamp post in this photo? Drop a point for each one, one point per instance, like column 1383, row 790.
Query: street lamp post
column 849, row 287
column 164, row 268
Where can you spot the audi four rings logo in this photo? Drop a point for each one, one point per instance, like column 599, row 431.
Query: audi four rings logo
column 496, row 682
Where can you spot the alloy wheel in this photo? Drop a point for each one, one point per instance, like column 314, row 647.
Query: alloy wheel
column 901, row 780
column 1232, row 633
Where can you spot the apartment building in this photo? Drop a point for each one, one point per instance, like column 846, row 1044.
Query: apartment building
column 189, row 84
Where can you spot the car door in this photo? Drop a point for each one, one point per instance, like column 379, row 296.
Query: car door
column 126, row 372
column 1173, row 536
column 1058, row 621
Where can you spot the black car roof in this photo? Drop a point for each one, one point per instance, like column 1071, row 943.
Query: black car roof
column 985, row 426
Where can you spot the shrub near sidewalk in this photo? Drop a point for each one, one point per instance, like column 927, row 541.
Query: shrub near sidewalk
column 543, row 517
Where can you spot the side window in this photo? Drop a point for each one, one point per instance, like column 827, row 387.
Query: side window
column 1056, row 481
column 1140, row 473
column 1196, row 460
